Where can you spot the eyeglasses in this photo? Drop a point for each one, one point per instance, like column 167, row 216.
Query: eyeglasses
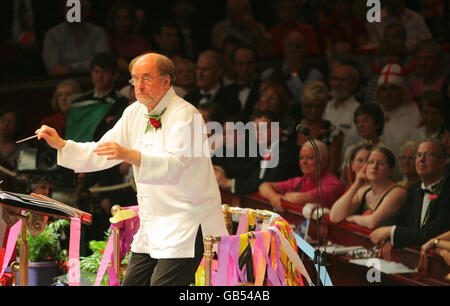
column 134, row 81
column 427, row 155
column 407, row 158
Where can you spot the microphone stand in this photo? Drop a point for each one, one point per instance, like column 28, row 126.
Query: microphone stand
column 319, row 256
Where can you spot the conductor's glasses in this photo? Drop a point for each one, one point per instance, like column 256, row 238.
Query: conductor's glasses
column 135, row 81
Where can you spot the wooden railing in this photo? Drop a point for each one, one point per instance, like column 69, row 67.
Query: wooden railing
column 341, row 271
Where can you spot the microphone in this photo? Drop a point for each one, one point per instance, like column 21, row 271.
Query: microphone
column 302, row 129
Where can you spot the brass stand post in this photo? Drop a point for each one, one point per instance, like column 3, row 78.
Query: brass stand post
column 208, row 241
column 24, row 255
column 116, row 233
column 15, row 266
column 227, row 217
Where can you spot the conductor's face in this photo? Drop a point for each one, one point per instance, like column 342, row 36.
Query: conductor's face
column 149, row 85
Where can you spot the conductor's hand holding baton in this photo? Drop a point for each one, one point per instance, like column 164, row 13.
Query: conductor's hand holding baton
column 110, row 150
column 51, row 137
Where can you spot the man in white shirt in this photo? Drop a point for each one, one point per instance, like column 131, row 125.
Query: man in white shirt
column 339, row 111
column 178, row 196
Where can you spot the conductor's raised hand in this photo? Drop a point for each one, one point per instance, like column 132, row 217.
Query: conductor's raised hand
column 114, row 151
column 51, row 137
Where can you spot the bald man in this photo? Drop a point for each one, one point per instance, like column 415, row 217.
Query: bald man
column 178, row 196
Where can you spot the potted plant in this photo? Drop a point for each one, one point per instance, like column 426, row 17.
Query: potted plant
column 47, row 259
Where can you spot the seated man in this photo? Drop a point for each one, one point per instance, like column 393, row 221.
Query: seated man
column 302, row 189
column 276, row 159
column 426, row 212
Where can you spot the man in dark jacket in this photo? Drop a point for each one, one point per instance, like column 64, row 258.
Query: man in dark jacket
column 426, row 212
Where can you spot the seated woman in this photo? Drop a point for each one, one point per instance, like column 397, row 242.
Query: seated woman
column 11, row 129
column 408, row 164
column 355, row 161
column 61, row 105
column 314, row 101
column 274, row 97
column 373, row 197
column 302, row 190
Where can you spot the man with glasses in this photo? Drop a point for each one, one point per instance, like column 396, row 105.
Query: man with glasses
column 178, row 196
column 426, row 212
column 339, row 111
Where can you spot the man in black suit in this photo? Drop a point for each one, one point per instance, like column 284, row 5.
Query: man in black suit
column 209, row 73
column 426, row 211
column 277, row 159
column 246, row 87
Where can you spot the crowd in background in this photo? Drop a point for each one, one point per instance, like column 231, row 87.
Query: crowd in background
column 369, row 93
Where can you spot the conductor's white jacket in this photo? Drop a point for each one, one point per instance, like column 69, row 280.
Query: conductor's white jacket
column 176, row 186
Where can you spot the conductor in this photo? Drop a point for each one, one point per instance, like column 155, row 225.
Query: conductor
column 178, row 196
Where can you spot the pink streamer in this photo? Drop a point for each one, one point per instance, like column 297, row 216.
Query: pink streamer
column 74, row 252
column 11, row 245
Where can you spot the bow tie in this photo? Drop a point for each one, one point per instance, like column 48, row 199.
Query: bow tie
column 426, row 190
column 206, row 96
column 243, row 86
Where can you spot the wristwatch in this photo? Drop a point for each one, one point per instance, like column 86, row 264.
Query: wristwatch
column 435, row 244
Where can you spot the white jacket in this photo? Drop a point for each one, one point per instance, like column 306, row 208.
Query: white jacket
column 176, row 187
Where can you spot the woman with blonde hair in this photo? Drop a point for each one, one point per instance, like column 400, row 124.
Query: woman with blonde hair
column 61, row 105
column 314, row 101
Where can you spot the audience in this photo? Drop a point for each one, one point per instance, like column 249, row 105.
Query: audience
column 440, row 245
column 302, row 189
column 276, row 157
column 95, row 112
column 339, row 111
column 367, row 126
column 294, row 72
column 288, row 13
column 70, row 46
column 428, row 73
column 353, row 162
column 401, row 114
column 374, row 196
column 209, row 87
column 314, row 100
column 61, row 105
column 414, row 76
column 11, row 129
column 274, row 97
column 342, row 25
column 407, row 164
column 167, row 39
column 241, row 23
column 395, row 11
column 247, row 83
column 184, row 76
column 426, row 212
column 389, row 51
column 194, row 35
column 123, row 41
column 434, row 111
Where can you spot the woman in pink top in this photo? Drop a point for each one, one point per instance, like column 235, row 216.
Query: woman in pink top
column 302, row 190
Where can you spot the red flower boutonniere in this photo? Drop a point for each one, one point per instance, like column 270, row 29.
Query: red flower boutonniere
column 432, row 197
column 154, row 121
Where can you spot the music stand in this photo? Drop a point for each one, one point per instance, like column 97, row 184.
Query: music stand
column 39, row 207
